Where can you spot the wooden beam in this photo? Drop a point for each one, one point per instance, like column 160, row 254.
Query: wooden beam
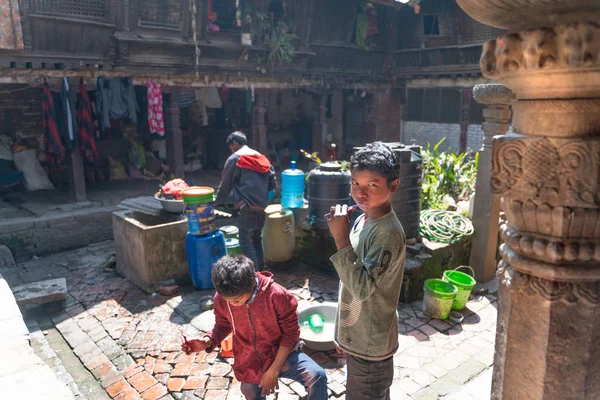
column 389, row 3
column 34, row 76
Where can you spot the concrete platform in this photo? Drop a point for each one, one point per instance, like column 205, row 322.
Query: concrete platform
column 23, row 375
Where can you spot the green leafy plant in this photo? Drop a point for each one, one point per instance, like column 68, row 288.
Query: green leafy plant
column 447, row 173
column 278, row 38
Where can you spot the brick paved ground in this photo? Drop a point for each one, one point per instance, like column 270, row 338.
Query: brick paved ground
column 126, row 343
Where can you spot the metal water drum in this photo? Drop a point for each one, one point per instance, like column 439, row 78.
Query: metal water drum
column 406, row 202
column 328, row 185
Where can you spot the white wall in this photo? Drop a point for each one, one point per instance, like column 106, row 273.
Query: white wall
column 424, row 133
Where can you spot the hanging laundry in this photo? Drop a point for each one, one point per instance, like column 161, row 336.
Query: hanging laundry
column 156, row 120
column 55, row 152
column 366, row 25
column 115, row 100
column 248, row 102
column 11, row 33
column 208, row 97
column 186, row 99
column 87, row 143
column 69, row 117
column 224, row 93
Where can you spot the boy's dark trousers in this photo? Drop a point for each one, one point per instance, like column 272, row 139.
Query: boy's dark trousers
column 251, row 223
column 369, row 379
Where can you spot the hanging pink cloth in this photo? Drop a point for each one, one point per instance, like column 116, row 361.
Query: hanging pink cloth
column 11, row 34
column 156, row 121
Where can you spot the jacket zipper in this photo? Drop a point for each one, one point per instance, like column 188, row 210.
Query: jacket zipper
column 254, row 343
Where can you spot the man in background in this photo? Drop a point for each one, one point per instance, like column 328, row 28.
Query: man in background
column 250, row 175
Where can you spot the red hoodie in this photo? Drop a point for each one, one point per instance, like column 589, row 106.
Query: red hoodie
column 259, row 328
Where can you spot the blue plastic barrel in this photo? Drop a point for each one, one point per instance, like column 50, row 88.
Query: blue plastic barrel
column 292, row 187
column 202, row 253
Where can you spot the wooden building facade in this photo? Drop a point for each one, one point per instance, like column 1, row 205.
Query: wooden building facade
column 355, row 95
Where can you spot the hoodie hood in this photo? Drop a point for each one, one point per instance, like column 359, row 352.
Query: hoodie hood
column 265, row 279
column 254, row 162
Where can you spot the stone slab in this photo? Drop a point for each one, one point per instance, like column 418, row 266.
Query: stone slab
column 41, row 292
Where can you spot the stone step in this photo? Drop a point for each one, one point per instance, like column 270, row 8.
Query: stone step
column 41, row 292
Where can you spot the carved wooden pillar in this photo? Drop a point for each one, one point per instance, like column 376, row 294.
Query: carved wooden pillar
column 175, row 156
column 548, row 174
column 319, row 124
column 77, row 187
column 259, row 127
column 497, row 99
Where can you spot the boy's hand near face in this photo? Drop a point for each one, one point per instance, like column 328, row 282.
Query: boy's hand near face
column 339, row 225
column 195, row 346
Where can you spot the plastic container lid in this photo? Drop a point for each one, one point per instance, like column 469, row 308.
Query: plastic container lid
column 198, row 195
column 330, row 166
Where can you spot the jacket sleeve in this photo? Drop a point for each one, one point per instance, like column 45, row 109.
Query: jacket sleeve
column 286, row 308
column 222, row 326
column 227, row 179
column 272, row 179
column 362, row 279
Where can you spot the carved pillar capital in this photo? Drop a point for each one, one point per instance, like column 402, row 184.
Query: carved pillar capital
column 497, row 113
column 493, row 94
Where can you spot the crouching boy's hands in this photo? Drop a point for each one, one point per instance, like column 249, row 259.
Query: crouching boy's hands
column 269, row 382
column 196, row 345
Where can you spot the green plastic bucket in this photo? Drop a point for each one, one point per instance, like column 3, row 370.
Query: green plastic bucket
column 463, row 282
column 233, row 247
column 438, row 298
column 230, row 231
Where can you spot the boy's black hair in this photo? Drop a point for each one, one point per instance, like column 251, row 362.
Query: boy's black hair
column 233, row 276
column 377, row 157
column 238, row 137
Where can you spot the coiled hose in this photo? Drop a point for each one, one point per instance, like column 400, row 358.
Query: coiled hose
column 444, row 226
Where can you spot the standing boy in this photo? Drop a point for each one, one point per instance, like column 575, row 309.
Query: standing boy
column 370, row 264
column 264, row 320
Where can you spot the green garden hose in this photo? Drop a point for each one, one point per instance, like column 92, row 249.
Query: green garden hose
column 444, row 226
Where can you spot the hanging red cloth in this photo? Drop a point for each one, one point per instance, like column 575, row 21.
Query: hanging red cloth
column 55, row 151
column 87, row 143
column 156, row 120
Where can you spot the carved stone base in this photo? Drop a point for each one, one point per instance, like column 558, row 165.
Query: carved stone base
column 550, row 323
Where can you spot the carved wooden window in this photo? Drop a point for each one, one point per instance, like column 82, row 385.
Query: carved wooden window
column 85, row 9
column 431, row 25
column 162, row 14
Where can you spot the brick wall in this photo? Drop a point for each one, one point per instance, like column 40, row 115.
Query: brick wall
column 40, row 236
column 21, row 114
column 383, row 116
column 424, row 133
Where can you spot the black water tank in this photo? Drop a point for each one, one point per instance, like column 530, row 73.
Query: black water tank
column 406, row 202
column 328, row 185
